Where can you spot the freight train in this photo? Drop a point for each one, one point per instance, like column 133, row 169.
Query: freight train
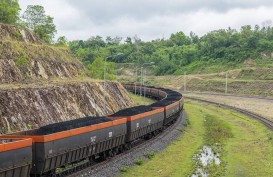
column 40, row 152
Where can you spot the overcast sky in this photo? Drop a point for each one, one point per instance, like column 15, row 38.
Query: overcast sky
column 151, row 19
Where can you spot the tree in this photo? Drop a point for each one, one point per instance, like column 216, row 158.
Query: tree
column 9, row 11
column 40, row 23
column 96, row 69
column 61, row 41
column 180, row 39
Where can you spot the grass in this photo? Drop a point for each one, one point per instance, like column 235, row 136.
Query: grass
column 150, row 155
column 140, row 100
column 139, row 161
column 217, row 131
column 246, row 146
column 124, row 169
column 22, row 61
column 41, row 52
column 176, row 160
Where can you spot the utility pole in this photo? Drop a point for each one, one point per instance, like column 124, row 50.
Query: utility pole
column 185, row 81
column 104, row 86
column 226, row 84
column 144, row 72
column 136, row 81
column 141, row 78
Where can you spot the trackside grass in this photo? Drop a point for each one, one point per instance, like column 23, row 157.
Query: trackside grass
column 245, row 146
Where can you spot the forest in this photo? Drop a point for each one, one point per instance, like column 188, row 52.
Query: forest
column 180, row 53
column 176, row 54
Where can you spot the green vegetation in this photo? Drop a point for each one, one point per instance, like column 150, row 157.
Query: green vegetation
column 217, row 131
column 139, row 161
column 37, row 51
column 34, row 18
column 241, row 142
column 124, row 169
column 9, row 10
column 140, row 100
column 62, row 41
column 96, row 69
column 22, row 61
column 150, row 155
column 216, row 51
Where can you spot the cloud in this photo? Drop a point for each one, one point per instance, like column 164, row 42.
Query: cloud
column 103, row 11
column 151, row 19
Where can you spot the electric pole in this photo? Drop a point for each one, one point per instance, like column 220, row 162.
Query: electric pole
column 226, row 84
column 185, row 81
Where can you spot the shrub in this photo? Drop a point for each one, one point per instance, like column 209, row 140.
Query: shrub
column 22, row 61
column 139, row 161
column 124, row 169
column 150, row 155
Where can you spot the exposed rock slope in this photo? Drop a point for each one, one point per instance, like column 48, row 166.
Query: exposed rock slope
column 26, row 108
column 41, row 84
column 23, row 57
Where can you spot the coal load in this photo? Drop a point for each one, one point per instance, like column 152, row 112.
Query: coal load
column 132, row 111
column 162, row 103
column 174, row 98
column 68, row 125
column 150, row 86
column 173, row 93
column 166, row 90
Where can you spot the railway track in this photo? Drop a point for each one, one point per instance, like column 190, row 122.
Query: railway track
column 266, row 122
column 86, row 170
column 230, row 95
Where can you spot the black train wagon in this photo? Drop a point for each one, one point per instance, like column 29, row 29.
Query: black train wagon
column 142, row 121
column 181, row 103
column 153, row 92
column 171, row 110
column 54, row 150
column 133, row 88
column 15, row 157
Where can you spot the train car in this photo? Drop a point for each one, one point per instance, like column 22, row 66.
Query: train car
column 64, row 143
column 148, row 91
column 142, row 121
column 57, row 145
column 15, row 157
column 172, row 102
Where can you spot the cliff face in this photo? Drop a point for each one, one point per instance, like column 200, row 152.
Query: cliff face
column 41, row 84
column 26, row 108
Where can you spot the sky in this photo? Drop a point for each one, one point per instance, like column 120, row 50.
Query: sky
column 151, row 19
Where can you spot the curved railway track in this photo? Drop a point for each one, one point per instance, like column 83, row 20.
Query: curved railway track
column 231, row 95
column 86, row 169
column 265, row 121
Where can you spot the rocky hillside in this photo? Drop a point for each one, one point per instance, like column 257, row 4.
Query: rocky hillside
column 24, row 57
column 26, row 108
column 41, row 84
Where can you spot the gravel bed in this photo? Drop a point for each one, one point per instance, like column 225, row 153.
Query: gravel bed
column 112, row 167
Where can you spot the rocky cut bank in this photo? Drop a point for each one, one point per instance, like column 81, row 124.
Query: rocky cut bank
column 42, row 84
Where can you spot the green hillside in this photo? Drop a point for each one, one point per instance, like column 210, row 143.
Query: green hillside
column 216, row 51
